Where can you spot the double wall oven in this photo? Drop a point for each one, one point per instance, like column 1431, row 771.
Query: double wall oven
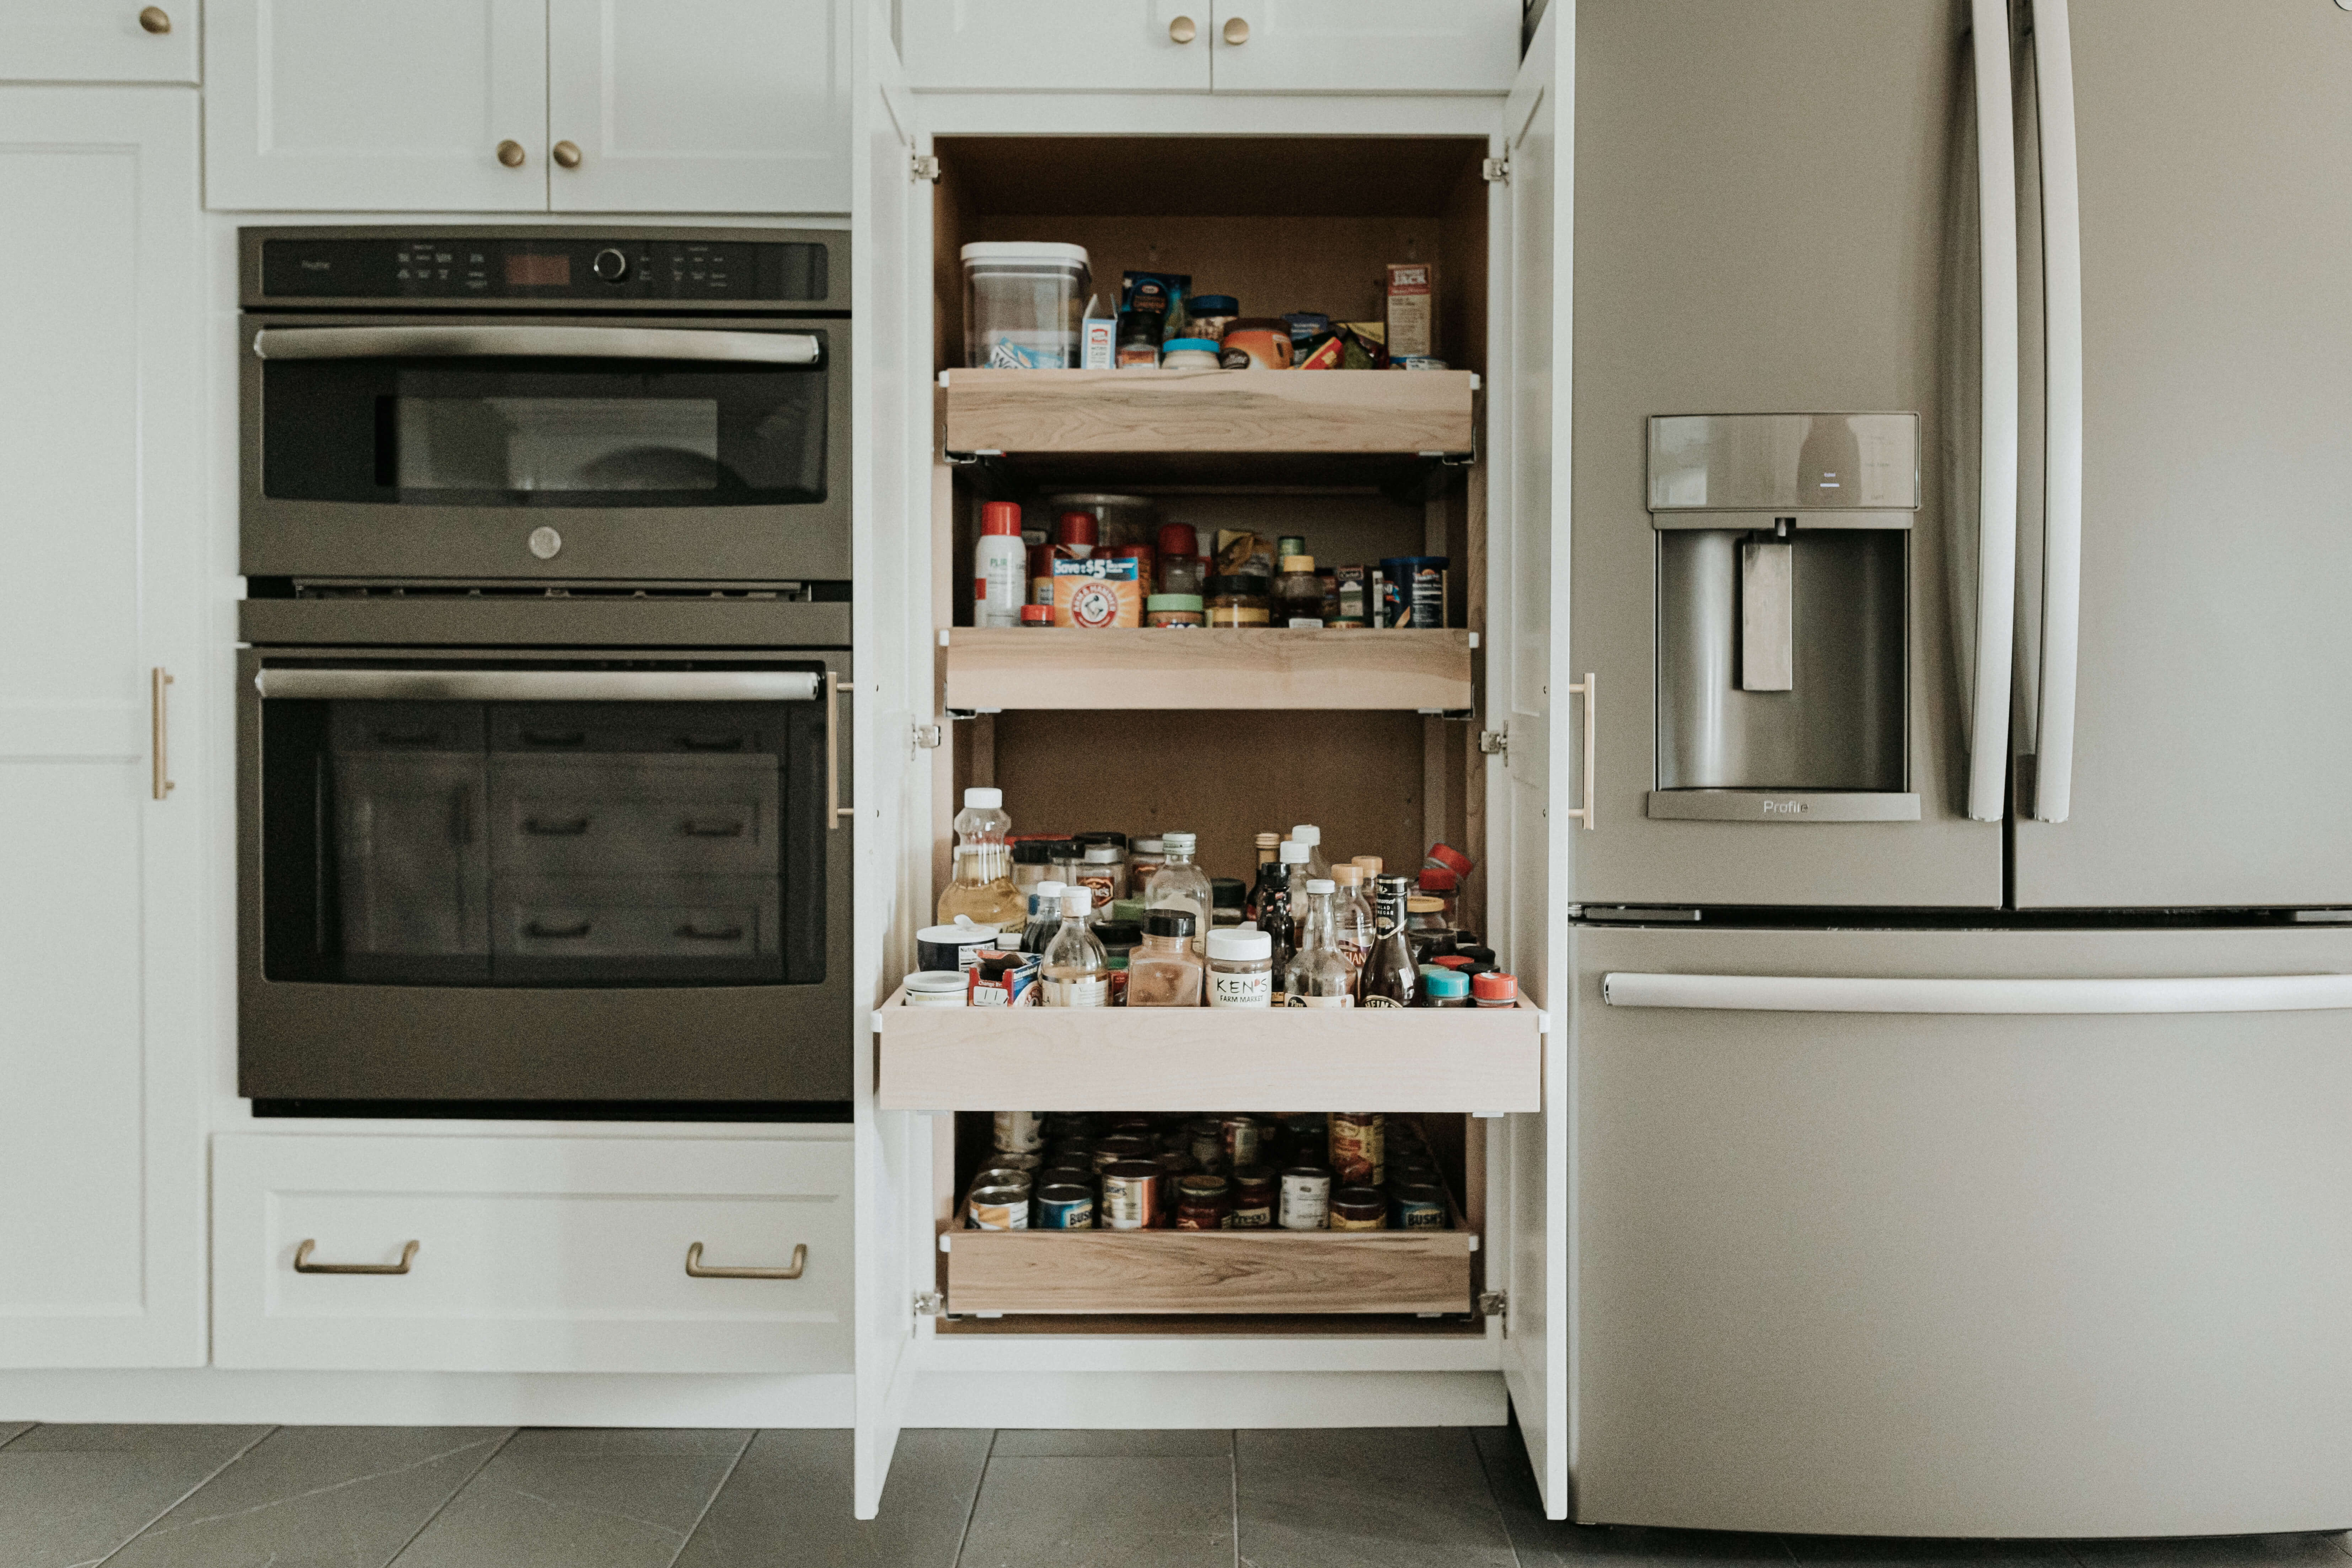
column 545, row 675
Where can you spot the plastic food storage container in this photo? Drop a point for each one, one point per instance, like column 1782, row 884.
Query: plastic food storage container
column 1024, row 304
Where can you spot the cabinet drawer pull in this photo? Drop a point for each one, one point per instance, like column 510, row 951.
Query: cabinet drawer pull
column 160, row 722
column 1237, row 31
column 302, row 1264
column 537, row 930
column 511, row 154
column 155, row 19
column 555, row 827
column 1182, row 31
column 566, row 155
column 695, row 1269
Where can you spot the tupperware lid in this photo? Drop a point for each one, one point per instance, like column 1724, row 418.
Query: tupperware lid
column 1172, row 601
column 1194, row 345
column 1036, row 252
column 1241, row 942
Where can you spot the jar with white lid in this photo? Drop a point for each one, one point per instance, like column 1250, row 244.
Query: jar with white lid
column 1024, row 304
column 1240, row 968
column 936, row 988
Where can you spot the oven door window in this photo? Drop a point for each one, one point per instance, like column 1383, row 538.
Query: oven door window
column 555, row 844
column 543, row 432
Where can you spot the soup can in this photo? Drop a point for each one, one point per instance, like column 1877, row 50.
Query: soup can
column 1000, row 1208
column 953, row 946
column 1130, row 1196
column 1306, row 1198
column 1357, row 1139
column 1019, row 1133
column 1067, row 1174
column 1254, row 1199
column 1241, row 1136
column 1412, row 592
column 1066, row 1208
column 1202, row 1216
column 1001, row 1175
column 1358, row 1208
column 1420, row 1206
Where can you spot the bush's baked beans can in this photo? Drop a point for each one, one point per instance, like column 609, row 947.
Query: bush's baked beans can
column 1066, row 1174
column 1418, row 1207
column 1356, row 1141
column 1130, row 1196
column 1306, row 1198
column 1019, row 1133
column 1241, row 1136
column 1000, row 1208
column 1065, row 1208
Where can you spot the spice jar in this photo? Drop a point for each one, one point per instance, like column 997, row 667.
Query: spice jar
column 1163, row 970
column 1036, row 614
column 1297, row 593
column 1174, row 610
column 1181, row 567
column 1144, row 856
column 1104, row 872
column 1226, row 896
column 1426, row 930
column 1188, row 354
column 1494, row 990
column 1240, row 968
column 1208, row 315
column 1358, row 1208
column 1238, row 602
column 1119, row 939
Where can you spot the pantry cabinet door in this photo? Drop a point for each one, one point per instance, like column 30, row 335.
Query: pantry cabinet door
column 1366, row 46
column 98, row 40
column 349, row 105
column 890, row 290
column 1051, row 46
column 1535, row 783
column 105, row 907
column 714, row 106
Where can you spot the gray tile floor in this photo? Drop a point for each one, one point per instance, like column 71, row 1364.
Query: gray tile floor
column 366, row 1497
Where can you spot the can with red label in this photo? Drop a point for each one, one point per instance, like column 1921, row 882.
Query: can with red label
column 1358, row 1147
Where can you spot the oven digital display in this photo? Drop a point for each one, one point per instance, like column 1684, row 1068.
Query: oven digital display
column 528, row 271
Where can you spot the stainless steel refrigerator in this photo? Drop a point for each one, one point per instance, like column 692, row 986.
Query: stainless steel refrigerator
column 1962, row 552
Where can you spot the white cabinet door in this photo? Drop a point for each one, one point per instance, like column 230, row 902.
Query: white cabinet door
column 352, row 105
column 1535, row 785
column 1366, row 46
column 1053, row 46
column 734, row 106
column 104, row 1012
column 98, row 40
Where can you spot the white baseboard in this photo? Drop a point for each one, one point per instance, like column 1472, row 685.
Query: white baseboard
column 427, row 1399
column 1171, row 1399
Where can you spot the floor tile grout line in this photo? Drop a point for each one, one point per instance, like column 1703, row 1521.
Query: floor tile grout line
column 213, row 1475
column 1486, row 1473
column 713, row 1500
column 496, row 1449
column 1233, row 1475
column 972, row 1508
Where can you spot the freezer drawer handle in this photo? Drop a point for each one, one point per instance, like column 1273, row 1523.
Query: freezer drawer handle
column 302, row 1264
column 1828, row 994
column 695, row 1269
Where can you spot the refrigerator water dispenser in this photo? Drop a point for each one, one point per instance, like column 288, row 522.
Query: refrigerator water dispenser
column 1783, row 574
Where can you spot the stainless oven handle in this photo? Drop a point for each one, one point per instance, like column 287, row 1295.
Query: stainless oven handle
column 834, row 810
column 541, row 685
column 534, row 342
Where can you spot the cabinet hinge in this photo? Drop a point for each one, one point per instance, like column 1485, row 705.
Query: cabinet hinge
column 928, row 1303
column 1497, row 170
column 927, row 737
column 1494, row 1304
column 924, row 170
column 1495, row 742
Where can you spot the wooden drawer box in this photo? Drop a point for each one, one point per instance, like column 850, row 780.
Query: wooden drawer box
column 1209, row 411
column 1210, row 1272
column 1285, row 668
column 1179, row 1059
column 533, row 1253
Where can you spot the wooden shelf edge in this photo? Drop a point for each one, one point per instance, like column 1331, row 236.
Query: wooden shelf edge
column 1212, row 667
column 1208, row 412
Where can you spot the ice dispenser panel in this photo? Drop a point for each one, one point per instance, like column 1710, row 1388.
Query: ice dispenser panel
column 1784, row 562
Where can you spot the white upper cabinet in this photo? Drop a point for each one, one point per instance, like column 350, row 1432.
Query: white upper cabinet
column 640, row 106
column 328, row 104
column 98, row 40
column 1367, row 46
column 698, row 106
column 1057, row 46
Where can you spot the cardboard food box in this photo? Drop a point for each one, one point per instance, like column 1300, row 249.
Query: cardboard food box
column 1413, row 310
column 1098, row 592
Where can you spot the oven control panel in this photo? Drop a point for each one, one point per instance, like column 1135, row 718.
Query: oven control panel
column 556, row 269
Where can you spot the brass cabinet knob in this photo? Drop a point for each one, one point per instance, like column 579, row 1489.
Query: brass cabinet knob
column 565, row 155
column 155, row 19
column 1182, row 31
column 511, row 154
column 1237, row 31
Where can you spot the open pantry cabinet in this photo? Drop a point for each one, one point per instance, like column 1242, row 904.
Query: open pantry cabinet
column 1389, row 741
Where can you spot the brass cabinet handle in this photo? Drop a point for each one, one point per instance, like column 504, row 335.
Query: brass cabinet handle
column 1182, row 31
column 695, row 1269
column 566, row 155
column 155, row 19
column 302, row 1264
column 511, row 154
column 1237, row 31
column 159, row 717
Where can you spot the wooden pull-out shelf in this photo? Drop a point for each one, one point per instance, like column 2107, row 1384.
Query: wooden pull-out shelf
column 1209, row 412
column 1208, row 666
column 1424, row 1059
column 1209, row 1271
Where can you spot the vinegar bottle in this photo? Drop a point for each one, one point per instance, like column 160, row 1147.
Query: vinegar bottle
column 1320, row 974
column 983, row 889
column 1390, row 979
column 1076, row 971
column 1352, row 917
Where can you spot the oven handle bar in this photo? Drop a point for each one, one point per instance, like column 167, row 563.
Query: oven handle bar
column 535, row 343
column 1846, row 994
column 541, row 685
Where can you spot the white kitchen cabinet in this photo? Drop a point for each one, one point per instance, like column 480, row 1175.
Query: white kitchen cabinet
column 98, row 40
column 105, row 919
column 642, row 106
column 370, row 1253
column 1366, row 46
column 1055, row 46
column 698, row 106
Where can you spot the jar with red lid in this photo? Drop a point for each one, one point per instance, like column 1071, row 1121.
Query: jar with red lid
column 1494, row 989
column 1075, row 534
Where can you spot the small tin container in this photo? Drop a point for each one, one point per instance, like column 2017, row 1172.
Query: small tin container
column 1065, row 1208
column 1019, row 1133
column 1130, row 1196
column 1204, row 1191
column 1359, row 1208
column 1241, row 1137
column 1357, row 1143
column 1420, row 1206
column 952, row 947
column 1306, row 1198
column 1000, row 1208
column 938, row 988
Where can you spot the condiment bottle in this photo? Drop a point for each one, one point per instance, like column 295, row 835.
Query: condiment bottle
column 1277, row 914
column 983, row 889
column 1178, row 884
column 1045, row 916
column 1319, row 974
column 1075, row 534
column 1240, row 968
column 1297, row 593
column 1163, row 970
column 1226, row 896
column 1445, row 885
column 1494, row 989
column 1182, row 570
column 1307, row 833
column 1000, row 567
column 1389, row 978
column 1351, row 916
column 1075, row 972
column 1270, row 866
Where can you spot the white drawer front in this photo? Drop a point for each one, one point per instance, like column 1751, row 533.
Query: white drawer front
column 533, row 1253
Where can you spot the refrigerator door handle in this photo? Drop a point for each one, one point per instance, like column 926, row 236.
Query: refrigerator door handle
column 1830, row 994
column 2062, row 294
column 1996, row 482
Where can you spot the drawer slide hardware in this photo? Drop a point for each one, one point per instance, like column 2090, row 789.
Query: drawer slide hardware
column 695, row 1269
column 1495, row 742
column 1494, row 1304
column 930, row 1304
column 302, row 1264
column 923, row 169
column 927, row 737
column 1496, row 170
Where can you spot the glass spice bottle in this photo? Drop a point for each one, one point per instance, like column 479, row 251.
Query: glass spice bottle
column 1163, row 970
column 1389, row 978
column 1075, row 972
column 1226, row 896
column 983, row 889
column 1319, row 975
column 1351, row 916
column 1297, row 593
column 1178, row 884
column 1238, row 602
column 1307, row 833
